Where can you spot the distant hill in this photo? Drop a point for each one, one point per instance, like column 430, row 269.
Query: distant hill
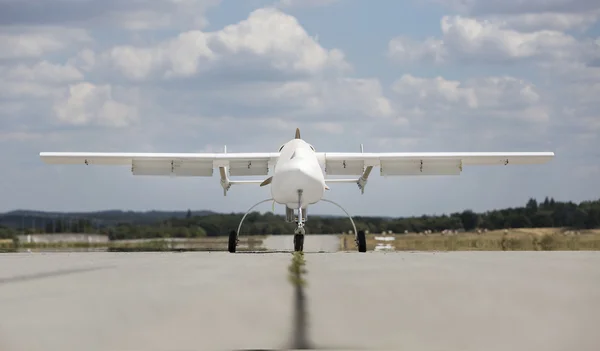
column 31, row 219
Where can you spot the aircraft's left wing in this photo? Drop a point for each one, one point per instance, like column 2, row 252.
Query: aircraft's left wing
column 419, row 163
column 175, row 164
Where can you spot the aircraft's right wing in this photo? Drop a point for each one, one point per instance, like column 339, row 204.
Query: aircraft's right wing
column 420, row 163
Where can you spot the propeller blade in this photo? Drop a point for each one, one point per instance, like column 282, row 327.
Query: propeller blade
column 266, row 181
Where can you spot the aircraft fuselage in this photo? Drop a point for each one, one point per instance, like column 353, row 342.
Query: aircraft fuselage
column 297, row 169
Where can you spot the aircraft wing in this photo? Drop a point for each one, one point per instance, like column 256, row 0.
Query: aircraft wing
column 175, row 164
column 171, row 164
column 424, row 163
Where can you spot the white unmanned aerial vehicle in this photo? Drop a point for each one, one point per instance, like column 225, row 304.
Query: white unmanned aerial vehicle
column 299, row 171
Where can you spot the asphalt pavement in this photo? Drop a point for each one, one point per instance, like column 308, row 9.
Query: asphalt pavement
column 352, row 301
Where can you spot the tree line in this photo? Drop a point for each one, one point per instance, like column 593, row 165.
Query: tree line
column 547, row 213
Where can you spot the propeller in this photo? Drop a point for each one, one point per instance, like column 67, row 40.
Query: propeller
column 267, row 181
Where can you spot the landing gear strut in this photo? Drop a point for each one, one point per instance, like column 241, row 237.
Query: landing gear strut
column 300, row 231
column 359, row 236
column 234, row 236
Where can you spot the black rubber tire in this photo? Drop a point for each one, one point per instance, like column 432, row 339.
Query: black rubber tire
column 298, row 242
column 232, row 241
column 361, row 241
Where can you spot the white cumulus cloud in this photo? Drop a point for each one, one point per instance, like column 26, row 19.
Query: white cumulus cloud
column 267, row 39
column 86, row 103
column 471, row 39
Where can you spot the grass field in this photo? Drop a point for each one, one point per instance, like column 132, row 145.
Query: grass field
column 528, row 239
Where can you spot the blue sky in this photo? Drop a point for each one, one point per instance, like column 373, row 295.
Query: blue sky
column 194, row 75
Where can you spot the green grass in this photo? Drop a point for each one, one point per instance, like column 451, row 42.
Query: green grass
column 297, row 269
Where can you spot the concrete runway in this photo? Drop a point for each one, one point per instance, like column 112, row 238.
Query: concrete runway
column 373, row 301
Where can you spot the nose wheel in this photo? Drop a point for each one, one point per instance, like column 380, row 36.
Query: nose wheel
column 300, row 231
column 299, row 242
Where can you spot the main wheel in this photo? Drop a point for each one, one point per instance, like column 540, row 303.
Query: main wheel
column 361, row 241
column 232, row 241
column 298, row 242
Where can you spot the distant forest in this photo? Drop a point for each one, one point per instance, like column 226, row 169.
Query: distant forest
column 187, row 224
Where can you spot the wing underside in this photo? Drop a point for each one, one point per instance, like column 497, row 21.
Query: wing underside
column 163, row 164
column 176, row 164
column 408, row 164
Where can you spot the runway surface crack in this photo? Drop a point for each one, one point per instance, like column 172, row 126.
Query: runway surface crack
column 297, row 270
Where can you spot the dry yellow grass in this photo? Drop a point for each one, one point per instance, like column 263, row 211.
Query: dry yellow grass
column 203, row 244
column 158, row 244
column 532, row 239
